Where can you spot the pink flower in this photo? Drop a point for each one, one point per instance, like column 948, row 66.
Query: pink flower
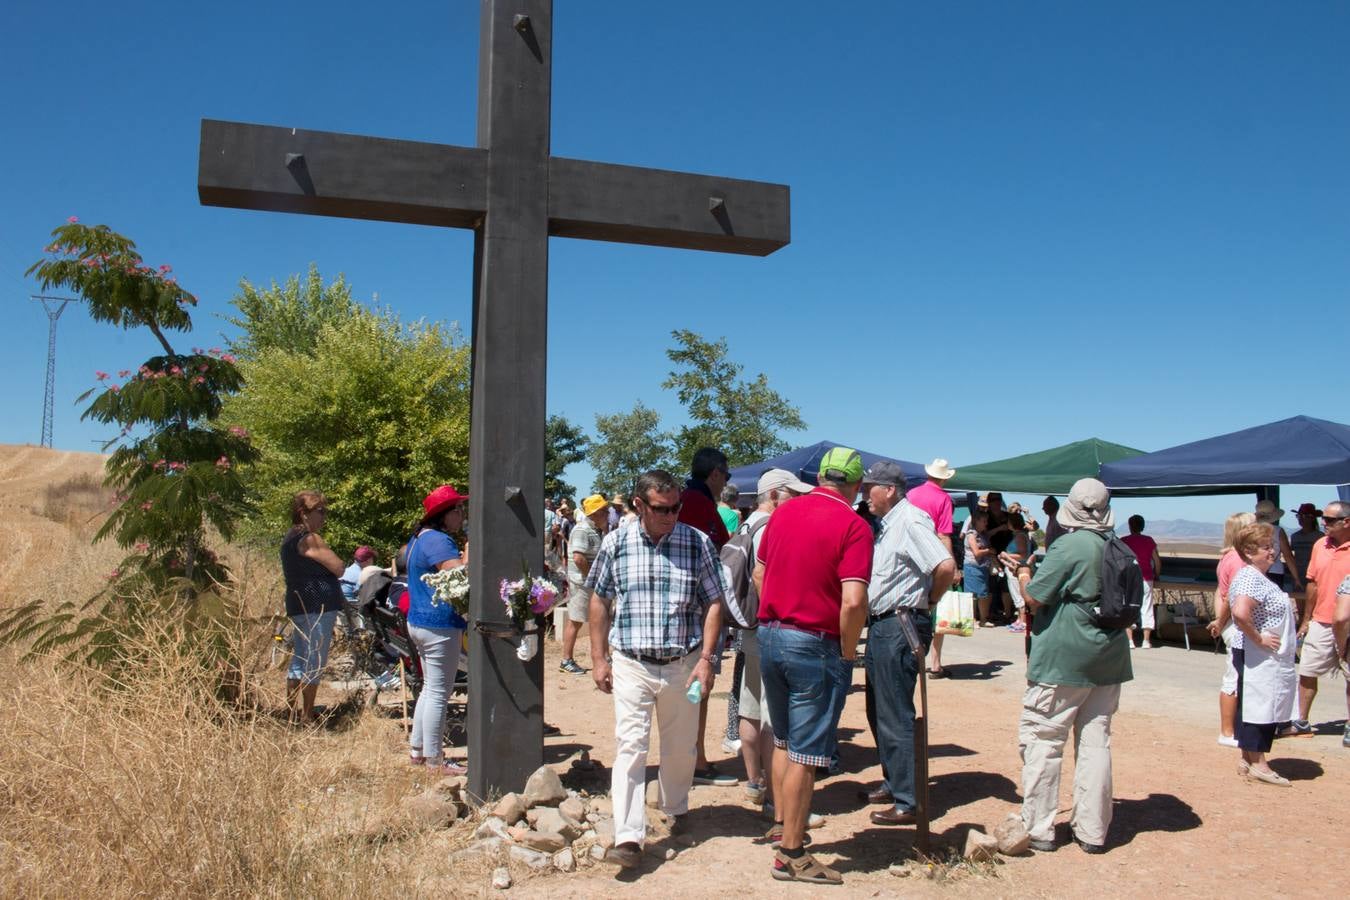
column 164, row 270
column 174, row 370
column 115, row 388
column 228, row 358
column 123, row 373
column 142, row 546
column 73, row 220
column 159, row 464
column 114, row 574
column 147, row 504
column 101, row 376
column 199, row 380
column 238, row 431
column 223, row 464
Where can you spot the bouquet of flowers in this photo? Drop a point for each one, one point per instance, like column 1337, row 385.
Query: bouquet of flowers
column 527, row 597
column 450, row 586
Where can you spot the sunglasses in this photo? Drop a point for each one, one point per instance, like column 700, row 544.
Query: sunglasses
column 663, row 510
column 1332, row 520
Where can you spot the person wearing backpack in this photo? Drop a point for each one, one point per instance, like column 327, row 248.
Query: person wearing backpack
column 776, row 487
column 1082, row 596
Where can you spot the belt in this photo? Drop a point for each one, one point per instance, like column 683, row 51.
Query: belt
column 906, row 610
column 655, row 660
column 823, row 635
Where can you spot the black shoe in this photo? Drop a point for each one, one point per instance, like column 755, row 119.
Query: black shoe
column 551, row 730
column 892, row 816
column 876, row 796
column 626, row 855
column 571, row 667
column 1094, row 849
column 1043, row 846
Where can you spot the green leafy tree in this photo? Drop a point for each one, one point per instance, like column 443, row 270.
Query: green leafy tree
column 370, row 411
column 743, row 419
column 175, row 470
column 626, row 445
column 564, row 444
column 288, row 316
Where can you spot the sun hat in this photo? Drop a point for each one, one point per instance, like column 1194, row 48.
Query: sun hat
column 781, row 479
column 883, row 471
column 1268, row 512
column 363, row 554
column 1308, row 509
column 983, row 502
column 441, row 499
column 593, row 504
column 841, row 464
column 939, row 469
column 1087, row 506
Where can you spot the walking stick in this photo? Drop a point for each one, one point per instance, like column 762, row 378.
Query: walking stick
column 403, row 696
column 921, row 835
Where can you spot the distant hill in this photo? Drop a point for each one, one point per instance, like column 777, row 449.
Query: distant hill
column 1180, row 531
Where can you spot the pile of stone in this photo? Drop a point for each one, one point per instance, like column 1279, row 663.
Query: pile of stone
column 1008, row 837
column 545, row 827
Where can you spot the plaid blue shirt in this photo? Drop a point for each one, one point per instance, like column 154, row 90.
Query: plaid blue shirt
column 662, row 591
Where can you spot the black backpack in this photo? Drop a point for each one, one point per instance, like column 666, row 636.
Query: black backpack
column 1122, row 586
column 741, row 605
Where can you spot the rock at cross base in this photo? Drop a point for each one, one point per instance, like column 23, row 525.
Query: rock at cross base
column 548, row 819
column 431, row 809
column 532, row 858
column 1012, row 836
column 501, row 878
column 544, row 841
column 492, row 827
column 980, row 847
column 604, row 833
column 454, row 785
column 485, row 849
column 573, row 810
column 544, row 788
column 564, row 861
column 510, row 809
column 598, row 853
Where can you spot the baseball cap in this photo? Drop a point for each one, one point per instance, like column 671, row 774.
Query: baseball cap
column 883, row 471
column 780, row 479
column 363, row 554
column 841, row 464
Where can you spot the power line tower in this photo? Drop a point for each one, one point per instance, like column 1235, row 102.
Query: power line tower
column 53, row 306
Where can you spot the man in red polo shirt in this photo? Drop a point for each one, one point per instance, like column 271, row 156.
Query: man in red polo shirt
column 811, row 571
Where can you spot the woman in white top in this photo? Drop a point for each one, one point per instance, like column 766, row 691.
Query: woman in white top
column 1263, row 653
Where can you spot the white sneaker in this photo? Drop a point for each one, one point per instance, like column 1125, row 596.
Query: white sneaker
column 1226, row 741
column 1148, row 646
column 731, row 746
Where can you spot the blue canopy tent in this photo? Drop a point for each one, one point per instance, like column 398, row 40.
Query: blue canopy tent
column 804, row 462
column 1300, row 450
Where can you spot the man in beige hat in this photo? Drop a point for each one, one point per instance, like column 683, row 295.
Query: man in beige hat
column 584, row 544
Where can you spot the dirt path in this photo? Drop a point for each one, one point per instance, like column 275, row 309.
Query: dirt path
column 1184, row 823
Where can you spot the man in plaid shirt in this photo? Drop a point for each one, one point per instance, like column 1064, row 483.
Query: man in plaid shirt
column 665, row 581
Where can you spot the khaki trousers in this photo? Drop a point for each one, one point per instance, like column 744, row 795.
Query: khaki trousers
column 1049, row 713
column 639, row 689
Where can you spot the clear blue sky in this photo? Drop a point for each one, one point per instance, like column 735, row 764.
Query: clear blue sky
column 1014, row 225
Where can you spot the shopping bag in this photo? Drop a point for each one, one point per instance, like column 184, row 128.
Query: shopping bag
column 956, row 614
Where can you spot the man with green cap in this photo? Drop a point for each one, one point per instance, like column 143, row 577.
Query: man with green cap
column 811, row 570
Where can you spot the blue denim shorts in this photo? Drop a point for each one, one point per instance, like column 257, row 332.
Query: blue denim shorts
column 802, row 673
column 313, row 635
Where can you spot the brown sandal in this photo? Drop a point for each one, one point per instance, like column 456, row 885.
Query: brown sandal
column 775, row 836
column 804, row 868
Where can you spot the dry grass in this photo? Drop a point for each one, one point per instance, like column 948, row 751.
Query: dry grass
column 156, row 787
column 77, row 502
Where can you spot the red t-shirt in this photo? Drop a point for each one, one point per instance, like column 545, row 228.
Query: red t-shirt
column 699, row 511
column 1143, row 547
column 811, row 545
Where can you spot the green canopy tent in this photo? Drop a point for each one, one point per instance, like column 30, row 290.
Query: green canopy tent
column 1050, row 471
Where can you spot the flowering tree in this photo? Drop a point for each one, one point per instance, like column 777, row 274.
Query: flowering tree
column 174, row 471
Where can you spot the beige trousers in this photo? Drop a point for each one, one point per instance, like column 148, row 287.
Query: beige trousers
column 1049, row 713
column 640, row 688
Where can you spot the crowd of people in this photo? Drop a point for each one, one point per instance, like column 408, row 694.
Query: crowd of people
column 652, row 578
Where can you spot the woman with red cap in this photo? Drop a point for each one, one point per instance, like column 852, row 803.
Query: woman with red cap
column 435, row 628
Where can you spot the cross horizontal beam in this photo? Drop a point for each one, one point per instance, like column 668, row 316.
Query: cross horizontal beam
column 325, row 173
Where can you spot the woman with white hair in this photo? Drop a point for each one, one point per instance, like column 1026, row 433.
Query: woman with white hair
column 1222, row 626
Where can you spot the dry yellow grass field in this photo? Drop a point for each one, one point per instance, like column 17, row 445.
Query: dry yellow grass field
column 155, row 787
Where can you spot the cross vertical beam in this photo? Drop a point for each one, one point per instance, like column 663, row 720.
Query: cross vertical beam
column 506, row 434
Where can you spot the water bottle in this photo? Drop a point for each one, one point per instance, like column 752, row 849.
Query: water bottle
column 695, row 693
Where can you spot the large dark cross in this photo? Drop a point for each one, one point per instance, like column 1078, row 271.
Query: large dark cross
column 514, row 195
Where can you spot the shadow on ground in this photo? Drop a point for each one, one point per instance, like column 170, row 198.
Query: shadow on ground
column 1156, row 812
